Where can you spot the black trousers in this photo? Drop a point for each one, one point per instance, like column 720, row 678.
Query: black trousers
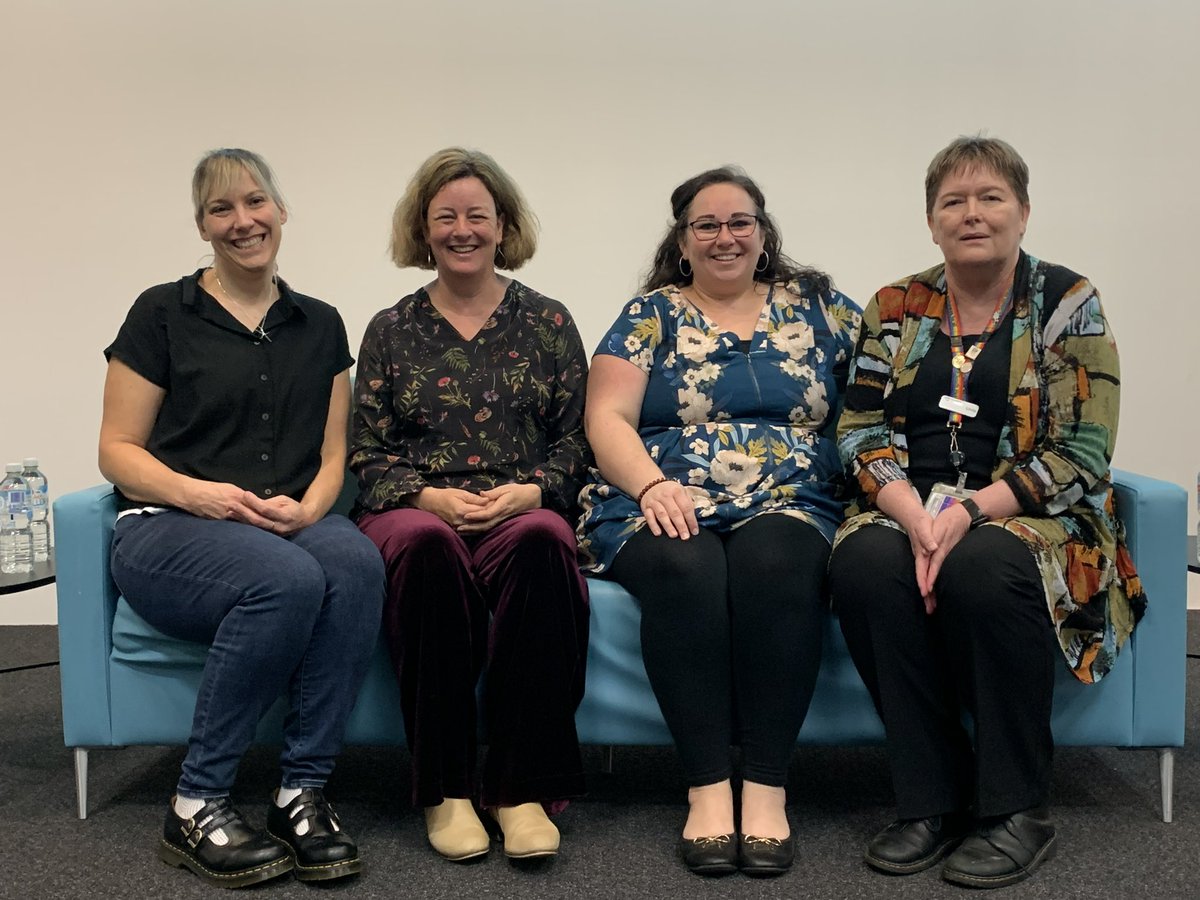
column 731, row 638
column 989, row 647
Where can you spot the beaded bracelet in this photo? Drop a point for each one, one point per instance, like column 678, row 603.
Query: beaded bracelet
column 649, row 484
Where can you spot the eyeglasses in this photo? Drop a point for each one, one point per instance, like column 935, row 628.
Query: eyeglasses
column 707, row 229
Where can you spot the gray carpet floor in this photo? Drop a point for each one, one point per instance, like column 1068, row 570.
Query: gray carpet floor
column 617, row 842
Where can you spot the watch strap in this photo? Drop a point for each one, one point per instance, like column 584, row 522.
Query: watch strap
column 978, row 517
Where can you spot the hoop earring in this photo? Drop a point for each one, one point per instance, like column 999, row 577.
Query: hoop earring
column 502, row 262
column 683, row 262
column 765, row 259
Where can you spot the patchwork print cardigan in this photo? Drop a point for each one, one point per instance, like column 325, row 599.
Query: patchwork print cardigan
column 1054, row 448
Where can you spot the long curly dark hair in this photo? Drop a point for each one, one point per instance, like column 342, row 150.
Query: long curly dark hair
column 780, row 268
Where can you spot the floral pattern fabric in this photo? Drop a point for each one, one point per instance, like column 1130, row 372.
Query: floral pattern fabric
column 435, row 410
column 1054, row 448
column 747, row 432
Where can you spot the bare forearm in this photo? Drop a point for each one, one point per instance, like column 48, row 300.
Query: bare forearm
column 142, row 477
column 620, row 454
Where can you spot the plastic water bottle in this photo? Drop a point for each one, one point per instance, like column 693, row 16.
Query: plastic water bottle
column 16, row 541
column 39, row 508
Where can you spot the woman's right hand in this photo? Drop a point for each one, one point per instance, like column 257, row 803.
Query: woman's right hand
column 668, row 508
column 900, row 502
column 451, row 505
column 221, row 500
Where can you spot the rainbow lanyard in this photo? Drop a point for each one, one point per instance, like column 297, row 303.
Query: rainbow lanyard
column 961, row 362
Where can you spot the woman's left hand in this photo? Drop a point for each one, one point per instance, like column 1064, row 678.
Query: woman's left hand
column 286, row 516
column 949, row 528
column 504, row 502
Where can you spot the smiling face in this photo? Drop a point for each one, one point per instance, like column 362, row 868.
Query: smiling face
column 726, row 263
column 463, row 228
column 977, row 219
column 243, row 224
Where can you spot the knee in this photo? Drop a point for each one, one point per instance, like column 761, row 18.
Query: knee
column 983, row 571
column 544, row 532
column 412, row 532
column 866, row 569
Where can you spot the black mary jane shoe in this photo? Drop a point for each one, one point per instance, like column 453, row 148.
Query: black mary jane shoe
column 712, row 855
column 765, row 856
column 248, row 855
column 1003, row 851
column 913, row 845
column 324, row 851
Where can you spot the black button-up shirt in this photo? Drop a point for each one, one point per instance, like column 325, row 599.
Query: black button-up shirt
column 237, row 409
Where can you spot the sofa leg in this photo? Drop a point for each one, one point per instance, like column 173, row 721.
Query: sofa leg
column 607, row 765
column 1166, row 780
column 81, row 787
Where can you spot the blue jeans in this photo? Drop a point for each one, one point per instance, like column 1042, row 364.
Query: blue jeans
column 299, row 614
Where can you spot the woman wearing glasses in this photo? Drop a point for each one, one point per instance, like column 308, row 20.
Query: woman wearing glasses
column 716, row 497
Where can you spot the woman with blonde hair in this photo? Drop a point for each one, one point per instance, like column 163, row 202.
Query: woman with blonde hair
column 467, row 439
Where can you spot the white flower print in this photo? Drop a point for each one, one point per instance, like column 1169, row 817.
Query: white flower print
column 635, row 308
column 736, row 471
column 669, row 361
column 793, row 368
column 798, row 415
column 699, row 446
column 818, row 405
column 794, row 339
column 632, row 344
column 697, row 475
column 744, row 502
column 654, row 451
column 694, row 343
column 643, row 360
column 693, row 406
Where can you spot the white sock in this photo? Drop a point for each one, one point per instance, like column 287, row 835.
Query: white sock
column 283, row 797
column 187, row 807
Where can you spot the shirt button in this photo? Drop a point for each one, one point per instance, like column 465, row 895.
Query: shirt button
column 268, row 492
column 262, row 377
column 265, row 457
column 266, row 417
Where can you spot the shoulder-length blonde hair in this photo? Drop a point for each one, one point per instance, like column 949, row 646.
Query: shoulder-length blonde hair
column 218, row 169
column 409, row 246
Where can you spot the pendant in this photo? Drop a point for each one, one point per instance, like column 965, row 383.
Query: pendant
column 966, row 366
column 957, row 458
column 958, row 360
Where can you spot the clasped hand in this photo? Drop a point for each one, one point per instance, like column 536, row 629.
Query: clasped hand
column 221, row 500
column 931, row 540
column 470, row 513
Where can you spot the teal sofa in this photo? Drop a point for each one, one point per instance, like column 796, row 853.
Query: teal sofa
column 125, row 683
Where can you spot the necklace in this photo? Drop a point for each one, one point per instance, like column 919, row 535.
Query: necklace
column 259, row 332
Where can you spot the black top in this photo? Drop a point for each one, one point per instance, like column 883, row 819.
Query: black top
column 928, row 436
column 237, row 409
column 435, row 410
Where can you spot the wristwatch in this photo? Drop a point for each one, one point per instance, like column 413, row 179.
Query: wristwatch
column 978, row 517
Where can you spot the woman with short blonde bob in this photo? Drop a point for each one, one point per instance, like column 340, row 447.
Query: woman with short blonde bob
column 224, row 433
column 467, row 440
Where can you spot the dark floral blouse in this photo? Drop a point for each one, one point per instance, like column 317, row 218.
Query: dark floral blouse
column 435, row 410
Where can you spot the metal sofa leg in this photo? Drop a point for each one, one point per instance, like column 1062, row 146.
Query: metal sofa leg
column 607, row 765
column 81, row 790
column 1166, row 780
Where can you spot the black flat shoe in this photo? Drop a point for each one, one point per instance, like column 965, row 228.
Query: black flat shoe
column 324, row 851
column 765, row 857
column 713, row 855
column 1003, row 852
column 912, row 845
column 247, row 857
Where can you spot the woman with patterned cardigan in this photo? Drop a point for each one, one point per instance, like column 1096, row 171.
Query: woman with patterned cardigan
column 467, row 440
column 980, row 420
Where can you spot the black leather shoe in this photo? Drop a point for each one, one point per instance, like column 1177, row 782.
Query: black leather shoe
column 1003, row 851
column 912, row 845
column 247, row 857
column 324, row 850
column 713, row 855
column 765, row 857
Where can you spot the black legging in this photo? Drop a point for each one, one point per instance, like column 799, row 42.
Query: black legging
column 731, row 626
column 989, row 647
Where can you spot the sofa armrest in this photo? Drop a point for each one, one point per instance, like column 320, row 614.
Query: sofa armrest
column 1154, row 513
column 87, row 598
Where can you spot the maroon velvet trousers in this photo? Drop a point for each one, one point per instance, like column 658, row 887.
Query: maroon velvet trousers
column 442, row 588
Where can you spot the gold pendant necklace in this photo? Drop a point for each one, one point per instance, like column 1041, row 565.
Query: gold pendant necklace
column 260, row 331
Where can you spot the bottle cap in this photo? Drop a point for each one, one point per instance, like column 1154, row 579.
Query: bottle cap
column 30, row 462
column 12, row 468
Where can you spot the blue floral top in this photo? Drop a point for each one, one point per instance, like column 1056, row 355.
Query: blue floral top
column 747, row 431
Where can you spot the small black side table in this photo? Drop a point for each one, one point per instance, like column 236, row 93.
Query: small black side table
column 42, row 574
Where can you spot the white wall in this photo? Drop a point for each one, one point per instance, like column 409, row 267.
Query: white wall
column 598, row 110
